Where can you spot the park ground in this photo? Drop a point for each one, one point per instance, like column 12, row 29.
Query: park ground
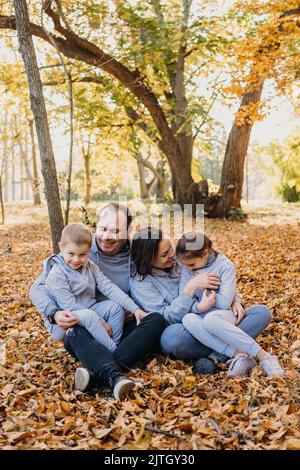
column 174, row 409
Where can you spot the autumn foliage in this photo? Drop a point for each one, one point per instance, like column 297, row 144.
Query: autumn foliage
column 174, row 409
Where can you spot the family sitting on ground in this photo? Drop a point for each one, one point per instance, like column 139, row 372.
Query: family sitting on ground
column 113, row 301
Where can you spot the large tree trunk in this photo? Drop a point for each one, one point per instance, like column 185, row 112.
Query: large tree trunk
column 235, row 154
column 41, row 121
column 36, row 183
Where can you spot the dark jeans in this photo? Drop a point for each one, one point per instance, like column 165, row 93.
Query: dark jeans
column 136, row 343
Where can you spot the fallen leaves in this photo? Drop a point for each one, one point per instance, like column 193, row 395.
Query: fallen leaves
column 172, row 409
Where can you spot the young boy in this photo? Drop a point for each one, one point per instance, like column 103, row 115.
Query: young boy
column 72, row 281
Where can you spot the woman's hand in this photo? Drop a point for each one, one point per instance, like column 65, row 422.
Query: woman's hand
column 238, row 311
column 139, row 315
column 108, row 328
column 208, row 301
column 65, row 319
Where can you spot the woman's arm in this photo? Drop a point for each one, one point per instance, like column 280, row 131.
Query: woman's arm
column 150, row 299
column 227, row 287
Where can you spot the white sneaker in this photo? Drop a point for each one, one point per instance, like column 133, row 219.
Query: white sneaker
column 271, row 367
column 241, row 365
column 122, row 387
column 82, row 379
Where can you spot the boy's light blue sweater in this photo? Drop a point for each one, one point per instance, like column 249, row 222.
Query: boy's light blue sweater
column 116, row 268
column 73, row 289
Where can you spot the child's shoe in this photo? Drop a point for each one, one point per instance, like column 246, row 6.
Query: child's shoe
column 271, row 367
column 241, row 365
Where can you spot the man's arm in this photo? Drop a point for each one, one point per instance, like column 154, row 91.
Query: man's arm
column 55, row 321
column 41, row 299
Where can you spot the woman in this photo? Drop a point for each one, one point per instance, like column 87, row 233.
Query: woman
column 154, row 286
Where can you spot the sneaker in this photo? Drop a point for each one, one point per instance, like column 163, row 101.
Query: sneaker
column 84, row 380
column 122, row 387
column 271, row 367
column 205, row 366
column 241, row 365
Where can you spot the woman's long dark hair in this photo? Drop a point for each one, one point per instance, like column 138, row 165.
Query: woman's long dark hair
column 144, row 249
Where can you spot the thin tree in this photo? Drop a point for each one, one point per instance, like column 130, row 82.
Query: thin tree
column 1, row 195
column 36, row 184
column 41, row 120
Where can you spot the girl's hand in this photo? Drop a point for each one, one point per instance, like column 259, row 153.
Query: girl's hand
column 208, row 301
column 206, row 281
column 139, row 315
column 108, row 328
column 238, row 311
column 201, row 281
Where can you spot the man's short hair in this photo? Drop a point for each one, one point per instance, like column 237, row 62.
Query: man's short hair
column 117, row 207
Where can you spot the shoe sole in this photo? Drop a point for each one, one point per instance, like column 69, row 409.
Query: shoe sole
column 82, row 378
column 122, row 389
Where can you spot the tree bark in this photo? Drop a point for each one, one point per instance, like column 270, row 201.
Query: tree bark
column 13, row 179
column 88, row 183
column 36, row 183
column 144, row 187
column 41, row 121
column 235, row 154
column 1, row 195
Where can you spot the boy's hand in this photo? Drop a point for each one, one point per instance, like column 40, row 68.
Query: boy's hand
column 239, row 311
column 108, row 328
column 139, row 315
column 65, row 319
column 208, row 301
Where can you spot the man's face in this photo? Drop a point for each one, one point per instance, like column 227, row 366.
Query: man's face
column 111, row 233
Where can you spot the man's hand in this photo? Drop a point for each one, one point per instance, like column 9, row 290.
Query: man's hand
column 208, row 301
column 65, row 319
column 108, row 328
column 238, row 311
column 139, row 315
column 128, row 315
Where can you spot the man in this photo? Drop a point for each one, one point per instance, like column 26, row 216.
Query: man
column 111, row 252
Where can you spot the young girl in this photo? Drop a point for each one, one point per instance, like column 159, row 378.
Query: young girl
column 214, row 323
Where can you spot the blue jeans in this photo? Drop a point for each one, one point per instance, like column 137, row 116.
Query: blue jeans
column 177, row 342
